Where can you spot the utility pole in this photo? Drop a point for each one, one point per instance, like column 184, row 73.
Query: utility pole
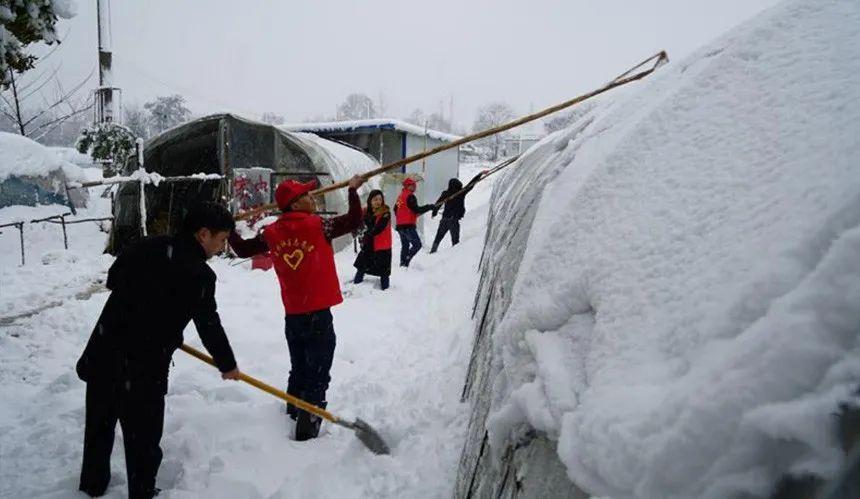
column 107, row 101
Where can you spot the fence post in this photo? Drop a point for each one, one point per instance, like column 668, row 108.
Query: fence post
column 142, row 208
column 65, row 238
column 21, row 234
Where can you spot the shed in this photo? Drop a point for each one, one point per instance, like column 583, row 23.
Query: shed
column 389, row 140
column 238, row 149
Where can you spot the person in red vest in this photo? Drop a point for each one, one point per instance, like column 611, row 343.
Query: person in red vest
column 407, row 211
column 299, row 243
column 375, row 255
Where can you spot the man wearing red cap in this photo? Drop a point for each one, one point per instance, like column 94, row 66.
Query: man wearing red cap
column 407, row 212
column 299, row 243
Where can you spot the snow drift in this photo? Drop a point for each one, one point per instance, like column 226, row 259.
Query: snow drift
column 670, row 287
column 34, row 174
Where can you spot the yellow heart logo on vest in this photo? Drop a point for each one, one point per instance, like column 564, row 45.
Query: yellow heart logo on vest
column 294, row 259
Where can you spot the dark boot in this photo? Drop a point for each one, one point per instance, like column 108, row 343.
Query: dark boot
column 308, row 425
column 383, row 282
column 92, row 491
column 292, row 411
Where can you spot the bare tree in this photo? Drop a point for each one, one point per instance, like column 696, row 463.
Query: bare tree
column 433, row 121
column 438, row 122
column 381, row 105
column 356, row 107
column 489, row 116
column 167, row 112
column 564, row 120
column 417, row 117
column 272, row 118
column 137, row 120
column 37, row 104
column 319, row 118
column 67, row 132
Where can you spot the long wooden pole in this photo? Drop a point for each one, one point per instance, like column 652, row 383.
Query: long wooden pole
column 659, row 59
column 471, row 185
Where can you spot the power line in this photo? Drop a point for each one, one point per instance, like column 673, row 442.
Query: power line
column 182, row 89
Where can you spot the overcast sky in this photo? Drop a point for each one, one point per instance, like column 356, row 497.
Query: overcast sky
column 300, row 59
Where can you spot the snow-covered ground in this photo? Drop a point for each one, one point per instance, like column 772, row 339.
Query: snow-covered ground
column 51, row 273
column 399, row 364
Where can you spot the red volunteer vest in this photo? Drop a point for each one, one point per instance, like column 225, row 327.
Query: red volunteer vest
column 405, row 216
column 304, row 262
column 382, row 241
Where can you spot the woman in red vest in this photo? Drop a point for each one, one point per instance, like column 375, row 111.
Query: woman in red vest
column 375, row 255
column 408, row 211
column 299, row 243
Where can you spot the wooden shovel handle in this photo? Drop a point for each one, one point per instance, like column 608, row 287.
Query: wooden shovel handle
column 301, row 404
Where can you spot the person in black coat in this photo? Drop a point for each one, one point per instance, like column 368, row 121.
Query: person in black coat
column 375, row 255
column 157, row 286
column 454, row 210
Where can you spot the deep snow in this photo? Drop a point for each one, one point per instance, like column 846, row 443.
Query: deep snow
column 684, row 320
column 20, row 156
column 399, row 364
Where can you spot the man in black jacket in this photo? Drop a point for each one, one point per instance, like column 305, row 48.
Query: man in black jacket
column 157, row 287
column 455, row 209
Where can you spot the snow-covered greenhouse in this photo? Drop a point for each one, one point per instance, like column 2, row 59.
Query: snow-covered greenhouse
column 390, row 140
column 31, row 174
column 250, row 157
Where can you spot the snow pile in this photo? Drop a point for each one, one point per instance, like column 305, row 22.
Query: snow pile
column 72, row 155
column 684, row 319
column 23, row 157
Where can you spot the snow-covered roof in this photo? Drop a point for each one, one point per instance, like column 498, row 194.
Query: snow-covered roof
column 72, row 155
column 344, row 161
column 352, row 125
column 23, row 157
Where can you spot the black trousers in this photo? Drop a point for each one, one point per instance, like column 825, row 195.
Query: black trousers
column 410, row 244
column 383, row 280
column 446, row 225
column 311, row 340
column 140, row 412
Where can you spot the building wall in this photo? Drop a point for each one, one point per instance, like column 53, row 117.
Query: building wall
column 372, row 141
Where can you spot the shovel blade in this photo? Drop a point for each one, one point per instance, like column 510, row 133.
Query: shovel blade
column 370, row 437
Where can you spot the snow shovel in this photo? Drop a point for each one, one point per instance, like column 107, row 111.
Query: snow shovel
column 368, row 436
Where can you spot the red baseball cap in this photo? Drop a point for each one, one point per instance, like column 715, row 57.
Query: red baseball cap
column 288, row 190
column 409, row 181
